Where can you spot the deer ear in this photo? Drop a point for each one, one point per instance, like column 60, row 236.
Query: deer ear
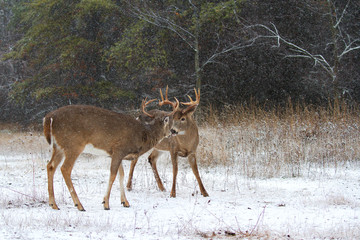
column 189, row 110
column 145, row 119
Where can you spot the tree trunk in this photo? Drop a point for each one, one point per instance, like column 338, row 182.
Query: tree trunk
column 197, row 53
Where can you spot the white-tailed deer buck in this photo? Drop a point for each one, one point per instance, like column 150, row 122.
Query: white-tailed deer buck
column 183, row 144
column 71, row 128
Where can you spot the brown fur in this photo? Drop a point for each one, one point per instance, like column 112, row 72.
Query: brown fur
column 183, row 145
column 47, row 132
column 73, row 127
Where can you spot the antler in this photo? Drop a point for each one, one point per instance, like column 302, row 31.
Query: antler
column 192, row 103
column 175, row 105
column 143, row 106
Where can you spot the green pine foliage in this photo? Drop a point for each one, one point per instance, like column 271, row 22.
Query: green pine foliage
column 64, row 43
column 97, row 51
column 140, row 49
column 115, row 52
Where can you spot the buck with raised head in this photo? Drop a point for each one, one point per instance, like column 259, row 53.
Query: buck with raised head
column 71, row 128
column 183, row 144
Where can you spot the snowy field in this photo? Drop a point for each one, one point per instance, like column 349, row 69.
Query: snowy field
column 324, row 203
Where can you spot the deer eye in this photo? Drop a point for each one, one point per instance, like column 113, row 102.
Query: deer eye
column 182, row 119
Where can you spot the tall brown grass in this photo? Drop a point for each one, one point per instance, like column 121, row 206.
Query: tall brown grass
column 257, row 141
column 284, row 141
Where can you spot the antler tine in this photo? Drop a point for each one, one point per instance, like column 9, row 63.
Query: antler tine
column 197, row 94
column 162, row 97
column 175, row 105
column 192, row 102
column 144, row 104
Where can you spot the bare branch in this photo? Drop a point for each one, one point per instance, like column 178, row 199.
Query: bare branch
column 349, row 44
column 349, row 47
column 303, row 53
column 233, row 47
column 151, row 17
column 342, row 15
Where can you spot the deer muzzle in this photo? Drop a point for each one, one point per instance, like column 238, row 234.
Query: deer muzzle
column 173, row 132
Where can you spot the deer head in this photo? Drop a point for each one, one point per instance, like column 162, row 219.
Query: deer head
column 182, row 119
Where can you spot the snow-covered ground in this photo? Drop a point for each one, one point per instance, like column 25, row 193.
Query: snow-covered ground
column 324, row 204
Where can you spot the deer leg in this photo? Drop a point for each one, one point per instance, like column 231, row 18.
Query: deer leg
column 124, row 201
column 131, row 173
column 56, row 158
column 66, row 168
column 174, row 160
column 192, row 161
column 115, row 165
column 152, row 160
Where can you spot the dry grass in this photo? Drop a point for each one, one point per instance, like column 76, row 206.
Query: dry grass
column 281, row 142
column 13, row 140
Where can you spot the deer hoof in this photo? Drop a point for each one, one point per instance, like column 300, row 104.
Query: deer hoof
column 54, row 206
column 106, row 205
column 80, row 207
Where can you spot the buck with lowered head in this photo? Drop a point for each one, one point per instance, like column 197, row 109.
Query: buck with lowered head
column 71, row 128
column 183, row 144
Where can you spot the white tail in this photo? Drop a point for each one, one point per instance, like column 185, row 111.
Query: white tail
column 71, row 128
column 184, row 144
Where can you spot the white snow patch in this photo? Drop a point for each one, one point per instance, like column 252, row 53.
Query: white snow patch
column 326, row 206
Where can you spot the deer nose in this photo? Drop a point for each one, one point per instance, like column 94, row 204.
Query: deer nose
column 173, row 132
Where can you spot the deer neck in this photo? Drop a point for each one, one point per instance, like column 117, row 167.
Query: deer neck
column 188, row 139
column 152, row 135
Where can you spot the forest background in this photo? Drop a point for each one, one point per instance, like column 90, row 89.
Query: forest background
column 113, row 53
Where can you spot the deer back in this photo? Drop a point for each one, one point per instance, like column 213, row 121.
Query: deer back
column 104, row 129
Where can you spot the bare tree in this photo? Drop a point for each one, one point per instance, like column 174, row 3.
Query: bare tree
column 189, row 34
column 342, row 42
